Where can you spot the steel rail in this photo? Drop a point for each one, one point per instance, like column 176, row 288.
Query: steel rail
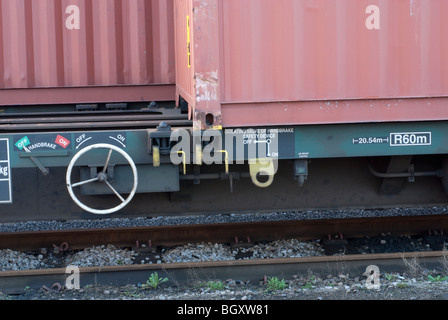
column 170, row 235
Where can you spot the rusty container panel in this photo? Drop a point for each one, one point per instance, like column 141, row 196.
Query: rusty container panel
column 318, row 61
column 64, row 44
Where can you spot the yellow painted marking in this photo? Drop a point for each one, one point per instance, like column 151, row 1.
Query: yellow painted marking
column 188, row 42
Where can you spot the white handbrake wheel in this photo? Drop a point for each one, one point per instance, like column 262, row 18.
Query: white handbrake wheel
column 101, row 177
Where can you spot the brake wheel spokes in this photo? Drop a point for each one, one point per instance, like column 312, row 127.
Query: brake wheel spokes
column 84, row 182
column 102, row 177
column 114, row 191
column 107, row 161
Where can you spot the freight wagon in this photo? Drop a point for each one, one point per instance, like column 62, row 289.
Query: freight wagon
column 104, row 100
column 327, row 79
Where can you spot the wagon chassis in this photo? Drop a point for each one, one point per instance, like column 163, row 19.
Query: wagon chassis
column 144, row 139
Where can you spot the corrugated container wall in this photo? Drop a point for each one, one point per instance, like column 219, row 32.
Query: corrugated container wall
column 84, row 43
column 315, row 61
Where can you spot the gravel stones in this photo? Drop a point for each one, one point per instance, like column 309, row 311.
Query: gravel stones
column 198, row 252
column 202, row 252
column 95, row 256
column 291, row 248
column 218, row 252
column 13, row 260
column 101, row 256
column 218, row 218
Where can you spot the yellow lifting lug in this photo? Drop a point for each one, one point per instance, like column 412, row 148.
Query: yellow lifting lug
column 156, row 156
column 262, row 168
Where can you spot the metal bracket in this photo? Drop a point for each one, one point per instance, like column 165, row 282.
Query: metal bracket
column 160, row 139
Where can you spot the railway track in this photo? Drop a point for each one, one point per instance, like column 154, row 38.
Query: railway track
column 238, row 234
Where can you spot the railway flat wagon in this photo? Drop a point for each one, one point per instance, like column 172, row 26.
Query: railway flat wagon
column 143, row 107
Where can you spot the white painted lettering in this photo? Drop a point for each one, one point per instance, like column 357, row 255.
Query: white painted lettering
column 73, row 21
column 373, row 20
column 72, row 281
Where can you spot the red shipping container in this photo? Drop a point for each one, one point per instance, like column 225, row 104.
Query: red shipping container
column 84, row 51
column 292, row 62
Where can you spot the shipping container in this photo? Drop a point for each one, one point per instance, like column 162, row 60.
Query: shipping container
column 293, row 62
column 86, row 51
